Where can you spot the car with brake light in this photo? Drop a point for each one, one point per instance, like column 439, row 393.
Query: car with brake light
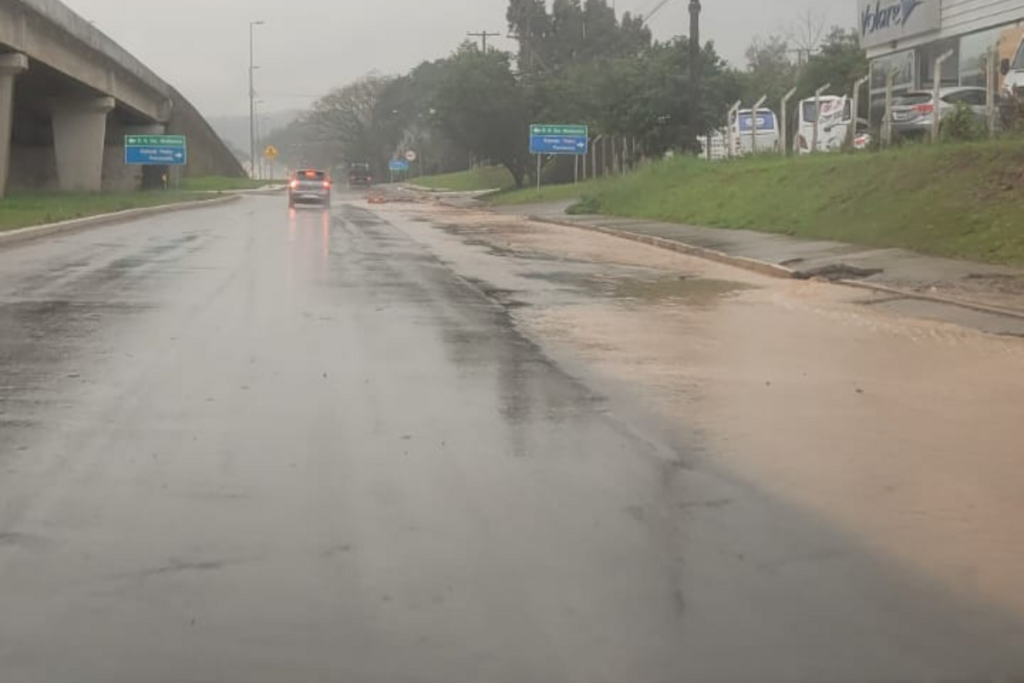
column 309, row 186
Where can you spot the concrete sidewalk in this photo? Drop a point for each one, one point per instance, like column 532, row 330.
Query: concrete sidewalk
column 973, row 284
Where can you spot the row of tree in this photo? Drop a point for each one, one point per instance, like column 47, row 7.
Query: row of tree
column 577, row 62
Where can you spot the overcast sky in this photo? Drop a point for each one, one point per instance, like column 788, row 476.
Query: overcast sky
column 310, row 46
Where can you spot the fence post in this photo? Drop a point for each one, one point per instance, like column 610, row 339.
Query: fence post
column 991, row 83
column 753, row 123
column 785, row 120
column 817, row 116
column 936, row 86
column 733, row 110
column 856, row 107
column 887, row 130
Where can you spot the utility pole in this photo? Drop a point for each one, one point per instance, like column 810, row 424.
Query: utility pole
column 252, row 103
column 695, row 66
column 483, row 36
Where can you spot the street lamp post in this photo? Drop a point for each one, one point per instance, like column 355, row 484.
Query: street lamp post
column 695, row 65
column 261, row 144
column 252, row 102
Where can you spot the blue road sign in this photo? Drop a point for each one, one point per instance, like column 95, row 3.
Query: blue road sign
column 398, row 166
column 549, row 139
column 155, row 150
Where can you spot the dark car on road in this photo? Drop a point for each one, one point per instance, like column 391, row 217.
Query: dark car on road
column 309, row 186
column 359, row 175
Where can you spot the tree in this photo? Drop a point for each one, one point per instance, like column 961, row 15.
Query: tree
column 480, row 103
column 568, row 31
column 407, row 107
column 573, row 32
column 840, row 61
column 770, row 69
column 346, row 123
column 670, row 122
column 529, row 23
column 805, row 34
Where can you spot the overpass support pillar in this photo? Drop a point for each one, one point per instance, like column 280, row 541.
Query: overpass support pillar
column 79, row 133
column 10, row 66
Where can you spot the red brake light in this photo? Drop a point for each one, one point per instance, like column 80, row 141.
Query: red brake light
column 924, row 108
column 294, row 184
column 327, row 184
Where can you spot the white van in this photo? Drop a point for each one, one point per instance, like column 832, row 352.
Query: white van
column 1012, row 70
column 833, row 125
column 743, row 131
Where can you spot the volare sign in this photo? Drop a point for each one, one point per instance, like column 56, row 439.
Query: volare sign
column 883, row 21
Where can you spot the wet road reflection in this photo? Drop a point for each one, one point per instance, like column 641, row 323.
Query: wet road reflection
column 253, row 444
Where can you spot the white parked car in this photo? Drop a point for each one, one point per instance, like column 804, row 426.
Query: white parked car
column 912, row 113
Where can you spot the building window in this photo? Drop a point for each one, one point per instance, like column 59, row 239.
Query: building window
column 926, row 56
column 901, row 64
column 974, row 50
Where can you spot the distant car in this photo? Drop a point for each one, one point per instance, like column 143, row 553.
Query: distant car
column 912, row 113
column 309, row 186
column 359, row 175
column 862, row 139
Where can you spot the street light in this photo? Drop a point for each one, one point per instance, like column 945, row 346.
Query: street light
column 695, row 65
column 264, row 131
column 257, row 138
column 252, row 102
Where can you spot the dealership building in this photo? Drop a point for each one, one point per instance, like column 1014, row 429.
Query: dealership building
column 906, row 36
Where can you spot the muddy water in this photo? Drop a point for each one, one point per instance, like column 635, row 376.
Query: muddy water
column 903, row 432
column 692, row 291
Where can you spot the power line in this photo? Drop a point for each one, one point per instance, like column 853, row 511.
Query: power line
column 657, row 8
column 647, row 7
column 483, row 36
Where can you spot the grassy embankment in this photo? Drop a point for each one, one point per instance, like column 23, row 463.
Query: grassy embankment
column 964, row 201
column 477, row 179
column 20, row 210
column 23, row 209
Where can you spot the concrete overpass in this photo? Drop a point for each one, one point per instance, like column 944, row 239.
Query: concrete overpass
column 69, row 95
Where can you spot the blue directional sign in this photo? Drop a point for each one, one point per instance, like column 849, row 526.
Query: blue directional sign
column 398, row 166
column 155, row 150
column 559, row 139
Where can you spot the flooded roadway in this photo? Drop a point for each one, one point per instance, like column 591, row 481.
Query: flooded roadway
column 410, row 444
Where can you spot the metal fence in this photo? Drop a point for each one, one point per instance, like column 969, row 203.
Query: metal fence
column 829, row 121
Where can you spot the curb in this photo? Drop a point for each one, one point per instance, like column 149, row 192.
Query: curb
column 753, row 265
column 38, row 231
column 265, row 190
column 773, row 270
column 949, row 301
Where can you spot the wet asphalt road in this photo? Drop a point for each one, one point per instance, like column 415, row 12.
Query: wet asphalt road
column 243, row 445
